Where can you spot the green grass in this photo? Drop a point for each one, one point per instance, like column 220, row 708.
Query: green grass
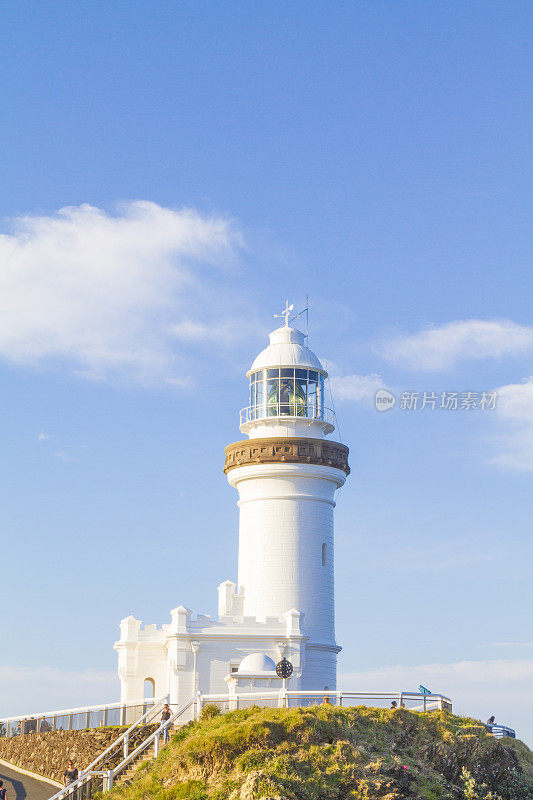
column 328, row 753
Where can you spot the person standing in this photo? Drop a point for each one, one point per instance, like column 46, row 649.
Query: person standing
column 165, row 716
column 70, row 774
column 3, row 793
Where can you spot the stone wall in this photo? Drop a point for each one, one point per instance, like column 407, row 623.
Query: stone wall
column 48, row 753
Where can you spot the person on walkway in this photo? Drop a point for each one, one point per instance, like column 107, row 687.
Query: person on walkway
column 490, row 720
column 2, row 791
column 70, row 774
column 394, row 704
column 165, row 716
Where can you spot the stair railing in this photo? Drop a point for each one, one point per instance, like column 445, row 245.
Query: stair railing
column 96, row 768
column 127, row 735
column 153, row 738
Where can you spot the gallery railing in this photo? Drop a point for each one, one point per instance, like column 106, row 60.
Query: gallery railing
column 300, row 411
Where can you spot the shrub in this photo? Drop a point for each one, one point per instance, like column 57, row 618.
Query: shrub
column 209, row 711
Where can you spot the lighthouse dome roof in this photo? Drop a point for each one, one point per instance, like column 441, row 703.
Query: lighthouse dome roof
column 286, row 349
column 255, row 663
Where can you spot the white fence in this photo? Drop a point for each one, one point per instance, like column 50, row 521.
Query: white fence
column 75, row 719
column 414, row 701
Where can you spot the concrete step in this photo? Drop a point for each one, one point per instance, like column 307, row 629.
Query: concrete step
column 127, row 775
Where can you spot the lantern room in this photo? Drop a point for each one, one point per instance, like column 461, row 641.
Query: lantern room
column 287, row 392
column 287, row 386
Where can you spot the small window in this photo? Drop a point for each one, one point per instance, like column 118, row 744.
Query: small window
column 324, row 554
column 233, row 668
column 149, row 688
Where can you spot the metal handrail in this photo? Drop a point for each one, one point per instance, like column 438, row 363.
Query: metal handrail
column 323, row 693
column 282, row 695
column 125, row 736
column 498, row 731
column 82, row 709
column 154, row 737
column 89, row 771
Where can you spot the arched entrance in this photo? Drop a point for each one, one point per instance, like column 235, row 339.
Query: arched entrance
column 149, row 689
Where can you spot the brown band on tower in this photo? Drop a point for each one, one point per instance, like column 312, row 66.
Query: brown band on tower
column 290, row 450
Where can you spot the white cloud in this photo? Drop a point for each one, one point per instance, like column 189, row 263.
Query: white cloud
column 476, row 688
column 102, row 292
column 31, row 690
column 355, row 387
column 514, row 411
column 71, row 454
column 43, row 437
column 441, row 348
column 468, row 672
column 222, row 333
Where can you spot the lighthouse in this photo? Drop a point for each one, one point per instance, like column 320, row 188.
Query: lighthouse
column 287, row 474
column 282, row 604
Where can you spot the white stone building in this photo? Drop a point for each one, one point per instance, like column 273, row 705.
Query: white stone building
column 286, row 474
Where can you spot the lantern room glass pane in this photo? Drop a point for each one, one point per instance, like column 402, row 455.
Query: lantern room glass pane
column 286, row 392
column 300, row 391
column 320, row 398
column 291, row 398
column 273, row 396
column 311, row 398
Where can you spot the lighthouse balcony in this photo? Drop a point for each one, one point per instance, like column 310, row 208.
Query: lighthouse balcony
column 290, row 413
column 311, row 412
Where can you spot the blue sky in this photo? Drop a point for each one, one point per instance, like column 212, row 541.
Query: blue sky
column 171, row 173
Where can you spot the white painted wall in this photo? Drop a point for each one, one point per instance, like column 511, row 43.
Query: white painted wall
column 285, row 516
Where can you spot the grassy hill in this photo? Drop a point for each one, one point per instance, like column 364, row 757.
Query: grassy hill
column 328, row 753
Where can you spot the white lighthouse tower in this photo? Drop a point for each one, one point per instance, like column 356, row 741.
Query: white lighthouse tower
column 286, row 473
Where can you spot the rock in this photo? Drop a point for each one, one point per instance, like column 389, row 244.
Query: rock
column 492, row 764
column 255, row 780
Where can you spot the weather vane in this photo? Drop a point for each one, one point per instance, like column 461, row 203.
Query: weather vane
column 286, row 313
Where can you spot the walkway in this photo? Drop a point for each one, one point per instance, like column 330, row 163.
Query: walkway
column 22, row 787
